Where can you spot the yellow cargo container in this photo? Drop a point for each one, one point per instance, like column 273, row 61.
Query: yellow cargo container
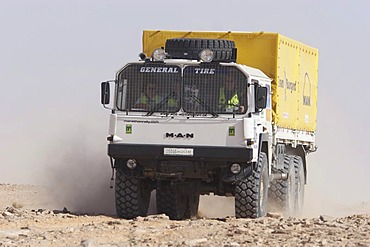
column 292, row 65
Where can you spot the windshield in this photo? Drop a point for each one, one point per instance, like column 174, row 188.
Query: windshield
column 149, row 87
column 214, row 89
column 206, row 89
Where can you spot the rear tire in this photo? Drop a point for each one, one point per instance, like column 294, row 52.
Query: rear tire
column 172, row 204
column 300, row 177
column 132, row 196
column 251, row 194
column 192, row 207
column 283, row 193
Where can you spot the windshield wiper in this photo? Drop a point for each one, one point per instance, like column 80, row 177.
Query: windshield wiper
column 160, row 104
column 201, row 102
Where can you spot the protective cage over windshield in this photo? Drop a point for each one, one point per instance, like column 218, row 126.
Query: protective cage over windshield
column 149, row 88
column 214, row 89
column 209, row 89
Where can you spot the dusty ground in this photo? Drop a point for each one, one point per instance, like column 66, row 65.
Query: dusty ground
column 28, row 218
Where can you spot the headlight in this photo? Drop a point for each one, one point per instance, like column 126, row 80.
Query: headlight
column 158, row 54
column 131, row 163
column 206, row 55
column 235, row 168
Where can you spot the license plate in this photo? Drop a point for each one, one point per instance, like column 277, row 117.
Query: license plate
column 178, row 151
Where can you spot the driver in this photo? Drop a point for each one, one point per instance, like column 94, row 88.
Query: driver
column 228, row 96
column 149, row 98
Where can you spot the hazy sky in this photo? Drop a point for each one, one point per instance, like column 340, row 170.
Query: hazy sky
column 54, row 54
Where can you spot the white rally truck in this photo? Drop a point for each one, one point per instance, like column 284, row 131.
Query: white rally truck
column 228, row 113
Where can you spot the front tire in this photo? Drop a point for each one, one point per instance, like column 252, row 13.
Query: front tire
column 251, row 194
column 132, row 196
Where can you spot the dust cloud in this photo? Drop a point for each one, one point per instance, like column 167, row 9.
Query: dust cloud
column 211, row 206
column 76, row 168
column 80, row 181
column 337, row 180
column 71, row 159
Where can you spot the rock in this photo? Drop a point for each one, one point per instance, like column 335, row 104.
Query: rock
column 139, row 219
column 274, row 215
column 158, row 217
column 261, row 220
column 233, row 244
column 19, row 229
column 326, row 218
column 10, row 210
column 64, row 211
column 242, row 230
column 280, row 231
column 41, row 238
column 323, row 242
column 88, row 243
column 40, row 210
column 197, row 242
column 297, row 222
column 114, row 222
column 7, row 214
column 172, row 226
column 306, row 222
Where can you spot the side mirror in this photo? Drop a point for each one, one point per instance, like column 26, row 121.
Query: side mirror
column 261, row 98
column 105, row 93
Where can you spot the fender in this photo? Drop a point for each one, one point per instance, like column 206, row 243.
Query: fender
column 263, row 138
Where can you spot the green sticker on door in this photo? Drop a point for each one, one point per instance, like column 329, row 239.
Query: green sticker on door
column 128, row 129
column 232, row 131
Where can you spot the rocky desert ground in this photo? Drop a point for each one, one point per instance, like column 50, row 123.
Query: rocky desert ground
column 28, row 217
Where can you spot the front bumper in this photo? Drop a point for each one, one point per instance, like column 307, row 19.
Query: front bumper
column 201, row 153
column 203, row 162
